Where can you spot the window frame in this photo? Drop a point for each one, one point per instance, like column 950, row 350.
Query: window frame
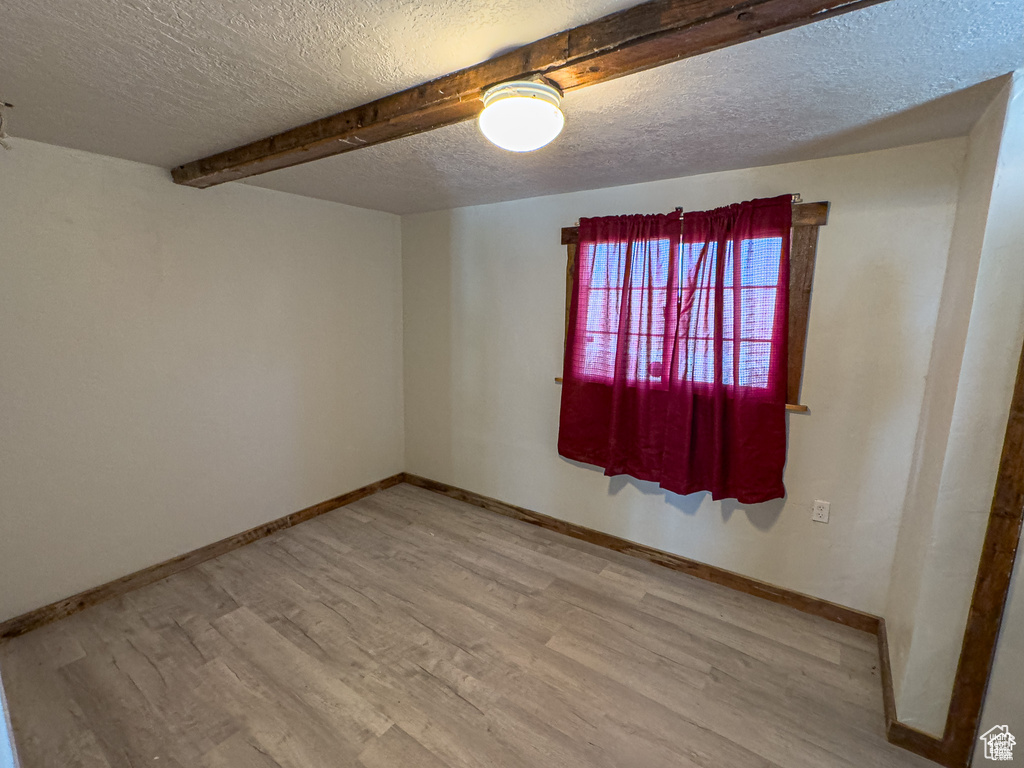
column 808, row 218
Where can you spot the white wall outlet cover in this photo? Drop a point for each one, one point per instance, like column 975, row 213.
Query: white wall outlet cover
column 819, row 513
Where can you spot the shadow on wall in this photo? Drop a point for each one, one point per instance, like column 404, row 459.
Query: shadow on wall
column 878, row 348
column 686, row 504
column 761, row 516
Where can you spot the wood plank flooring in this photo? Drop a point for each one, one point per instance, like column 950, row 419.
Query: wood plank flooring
column 409, row 629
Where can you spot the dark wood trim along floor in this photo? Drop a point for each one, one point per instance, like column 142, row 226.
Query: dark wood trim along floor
column 988, row 603
column 19, row 625
column 985, row 616
column 840, row 614
column 991, row 589
column 953, row 750
column 901, row 734
column 410, row 628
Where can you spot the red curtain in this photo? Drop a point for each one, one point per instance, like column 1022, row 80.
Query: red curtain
column 676, row 361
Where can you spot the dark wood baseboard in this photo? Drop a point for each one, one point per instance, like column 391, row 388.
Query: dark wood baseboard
column 885, row 669
column 898, row 733
column 918, row 742
column 988, row 603
column 840, row 614
column 947, row 751
column 19, row 625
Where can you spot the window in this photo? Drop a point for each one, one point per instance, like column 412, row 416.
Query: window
column 747, row 341
column 602, row 312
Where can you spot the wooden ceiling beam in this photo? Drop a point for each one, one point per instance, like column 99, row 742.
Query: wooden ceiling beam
column 633, row 40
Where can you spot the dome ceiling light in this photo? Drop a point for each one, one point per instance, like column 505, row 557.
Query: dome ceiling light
column 621, row 43
column 522, row 115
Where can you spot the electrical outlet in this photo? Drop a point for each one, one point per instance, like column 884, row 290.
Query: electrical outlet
column 819, row 513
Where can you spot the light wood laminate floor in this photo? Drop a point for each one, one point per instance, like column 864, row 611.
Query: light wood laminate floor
column 410, row 630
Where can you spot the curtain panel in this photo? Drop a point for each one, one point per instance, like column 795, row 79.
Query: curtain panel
column 676, row 355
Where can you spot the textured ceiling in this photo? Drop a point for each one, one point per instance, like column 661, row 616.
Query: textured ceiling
column 167, row 81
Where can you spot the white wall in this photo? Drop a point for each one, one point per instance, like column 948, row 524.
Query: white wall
column 1004, row 704
column 179, row 365
column 484, row 319
column 970, row 380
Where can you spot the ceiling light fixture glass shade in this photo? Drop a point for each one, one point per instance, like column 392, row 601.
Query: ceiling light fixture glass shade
column 522, row 116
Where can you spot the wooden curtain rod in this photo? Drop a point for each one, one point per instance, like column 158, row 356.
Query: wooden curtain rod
column 804, row 215
column 796, row 199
